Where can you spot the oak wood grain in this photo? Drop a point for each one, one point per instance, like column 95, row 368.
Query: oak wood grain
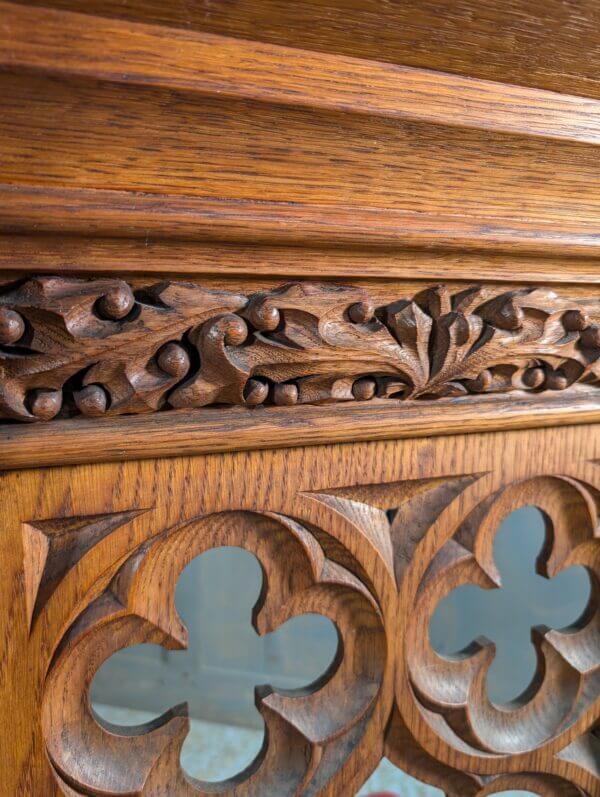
column 65, row 42
column 252, row 266
column 101, row 212
column 548, row 44
column 459, row 165
column 157, row 141
column 380, row 531
column 193, row 432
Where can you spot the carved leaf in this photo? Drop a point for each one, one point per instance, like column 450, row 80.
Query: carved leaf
column 96, row 347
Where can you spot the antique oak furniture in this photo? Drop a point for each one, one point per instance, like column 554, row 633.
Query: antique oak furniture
column 320, row 280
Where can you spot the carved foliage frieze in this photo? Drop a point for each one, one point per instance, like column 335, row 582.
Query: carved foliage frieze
column 98, row 347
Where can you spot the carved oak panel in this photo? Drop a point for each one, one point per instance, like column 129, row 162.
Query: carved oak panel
column 372, row 536
column 240, row 142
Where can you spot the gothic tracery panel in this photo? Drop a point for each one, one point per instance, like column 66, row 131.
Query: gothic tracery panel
column 308, row 736
column 545, row 738
column 376, row 557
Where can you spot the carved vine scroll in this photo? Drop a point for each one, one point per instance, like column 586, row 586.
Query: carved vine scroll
column 70, row 346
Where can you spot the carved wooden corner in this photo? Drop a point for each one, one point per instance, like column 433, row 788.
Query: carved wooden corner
column 97, row 347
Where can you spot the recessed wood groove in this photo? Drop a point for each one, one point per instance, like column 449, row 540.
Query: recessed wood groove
column 129, row 257
column 108, row 49
column 129, row 214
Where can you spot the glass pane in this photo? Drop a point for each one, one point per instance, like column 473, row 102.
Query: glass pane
column 506, row 616
column 389, row 781
column 217, row 675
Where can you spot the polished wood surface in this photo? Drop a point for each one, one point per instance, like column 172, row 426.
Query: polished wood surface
column 214, row 430
column 245, row 149
column 429, row 159
column 374, row 231
column 380, row 532
column 320, row 280
column 248, row 150
column 550, row 44
column 377, row 266
column 136, row 54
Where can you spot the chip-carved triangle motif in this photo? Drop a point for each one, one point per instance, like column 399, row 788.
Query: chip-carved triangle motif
column 417, row 514
column 53, row 547
column 395, row 516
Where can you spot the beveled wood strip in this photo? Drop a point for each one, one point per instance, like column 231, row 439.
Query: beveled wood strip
column 214, row 430
column 549, row 44
column 92, row 255
column 125, row 52
column 150, row 140
column 82, row 211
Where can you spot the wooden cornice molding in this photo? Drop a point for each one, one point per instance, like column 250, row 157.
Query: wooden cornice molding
column 220, row 429
column 99, row 348
column 135, row 53
column 274, row 144
column 140, row 258
column 132, row 214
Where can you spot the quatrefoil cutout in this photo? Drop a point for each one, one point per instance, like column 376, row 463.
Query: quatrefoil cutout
column 216, row 675
column 139, row 607
column 507, row 616
column 564, row 689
